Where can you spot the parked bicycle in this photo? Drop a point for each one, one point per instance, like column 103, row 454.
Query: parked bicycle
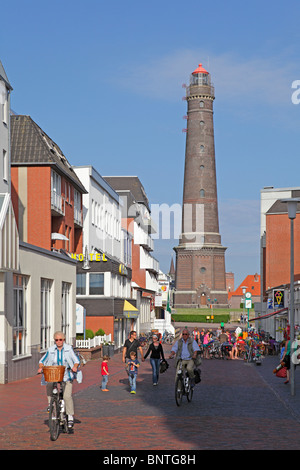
column 168, row 337
column 144, row 340
column 58, row 419
column 214, row 350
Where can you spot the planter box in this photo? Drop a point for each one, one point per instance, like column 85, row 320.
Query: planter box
column 108, row 350
column 92, row 353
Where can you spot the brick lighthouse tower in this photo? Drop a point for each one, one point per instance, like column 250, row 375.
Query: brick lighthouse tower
column 200, row 257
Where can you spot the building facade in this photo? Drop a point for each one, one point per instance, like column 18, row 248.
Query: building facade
column 200, row 256
column 46, row 192
column 137, row 223
column 104, row 269
column 37, row 285
column 275, row 237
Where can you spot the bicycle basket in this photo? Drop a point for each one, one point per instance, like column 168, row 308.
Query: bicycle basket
column 54, row 373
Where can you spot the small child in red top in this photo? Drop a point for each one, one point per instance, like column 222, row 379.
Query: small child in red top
column 104, row 373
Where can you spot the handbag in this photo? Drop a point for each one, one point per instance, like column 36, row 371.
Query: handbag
column 163, row 366
column 282, row 373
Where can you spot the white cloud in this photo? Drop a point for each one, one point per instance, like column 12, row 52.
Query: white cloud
column 257, row 80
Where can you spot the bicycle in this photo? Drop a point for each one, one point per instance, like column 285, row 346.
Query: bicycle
column 57, row 411
column 183, row 385
column 168, row 337
column 143, row 340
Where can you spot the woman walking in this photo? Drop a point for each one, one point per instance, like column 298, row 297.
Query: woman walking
column 157, row 352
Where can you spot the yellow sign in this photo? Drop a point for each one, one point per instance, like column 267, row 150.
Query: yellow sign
column 92, row 256
column 123, row 270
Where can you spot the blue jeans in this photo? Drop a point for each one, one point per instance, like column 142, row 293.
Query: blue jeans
column 132, row 382
column 155, row 363
column 104, row 382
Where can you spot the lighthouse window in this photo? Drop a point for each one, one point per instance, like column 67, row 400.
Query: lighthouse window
column 202, row 148
column 202, row 193
column 201, row 167
column 201, row 104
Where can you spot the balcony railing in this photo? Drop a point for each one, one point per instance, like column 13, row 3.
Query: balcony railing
column 57, row 203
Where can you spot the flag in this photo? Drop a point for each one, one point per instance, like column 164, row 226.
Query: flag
column 168, row 303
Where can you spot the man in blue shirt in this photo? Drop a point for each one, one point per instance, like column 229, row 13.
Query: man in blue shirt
column 186, row 349
column 62, row 354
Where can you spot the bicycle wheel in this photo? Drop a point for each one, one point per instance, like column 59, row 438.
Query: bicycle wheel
column 179, row 388
column 189, row 391
column 54, row 419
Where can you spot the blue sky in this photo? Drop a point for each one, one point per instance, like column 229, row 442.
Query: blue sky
column 104, row 80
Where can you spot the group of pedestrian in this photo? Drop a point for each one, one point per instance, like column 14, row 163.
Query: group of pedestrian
column 186, row 348
column 130, row 358
column 206, row 337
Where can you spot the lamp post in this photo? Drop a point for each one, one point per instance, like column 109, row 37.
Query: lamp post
column 292, row 210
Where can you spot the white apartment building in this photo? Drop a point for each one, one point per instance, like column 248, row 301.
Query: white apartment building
column 102, row 214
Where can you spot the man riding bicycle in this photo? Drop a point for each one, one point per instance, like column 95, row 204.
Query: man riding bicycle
column 62, row 354
column 186, row 349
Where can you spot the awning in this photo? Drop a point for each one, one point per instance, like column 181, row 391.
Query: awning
column 268, row 315
column 58, row 236
column 129, row 310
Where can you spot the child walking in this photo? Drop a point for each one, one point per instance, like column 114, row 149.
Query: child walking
column 104, row 373
column 133, row 365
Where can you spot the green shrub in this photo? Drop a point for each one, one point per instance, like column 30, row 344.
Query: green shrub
column 100, row 332
column 89, row 334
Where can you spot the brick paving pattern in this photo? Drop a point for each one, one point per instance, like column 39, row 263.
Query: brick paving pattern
column 236, row 406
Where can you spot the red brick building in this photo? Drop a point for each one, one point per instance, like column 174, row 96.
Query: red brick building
column 46, row 192
column 276, row 256
column 200, row 256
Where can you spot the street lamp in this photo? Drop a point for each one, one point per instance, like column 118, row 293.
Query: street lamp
column 292, row 210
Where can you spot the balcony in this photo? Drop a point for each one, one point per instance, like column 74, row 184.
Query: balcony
column 148, row 262
column 78, row 217
column 57, row 204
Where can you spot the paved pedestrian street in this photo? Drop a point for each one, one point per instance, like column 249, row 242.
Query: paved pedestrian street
column 237, row 406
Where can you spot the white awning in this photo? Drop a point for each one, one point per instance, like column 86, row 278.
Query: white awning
column 58, row 236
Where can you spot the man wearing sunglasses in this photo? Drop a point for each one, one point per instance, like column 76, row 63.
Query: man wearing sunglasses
column 186, row 349
column 62, row 354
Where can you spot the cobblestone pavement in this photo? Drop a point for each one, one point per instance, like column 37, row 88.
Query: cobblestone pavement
column 236, row 406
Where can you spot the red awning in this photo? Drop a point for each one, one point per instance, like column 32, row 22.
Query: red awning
column 262, row 317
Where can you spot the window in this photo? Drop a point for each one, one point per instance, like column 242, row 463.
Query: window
column 201, row 104
column 81, row 284
column 202, row 193
column 56, row 199
column 65, row 309
column 96, row 284
column 90, row 284
column 3, row 102
column 203, row 270
column 202, row 148
column 20, row 316
column 5, row 165
column 46, row 285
